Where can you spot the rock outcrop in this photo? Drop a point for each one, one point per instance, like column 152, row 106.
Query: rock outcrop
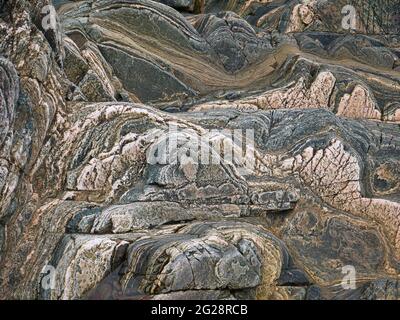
column 198, row 150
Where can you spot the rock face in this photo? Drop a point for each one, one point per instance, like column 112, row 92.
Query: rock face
column 198, row 150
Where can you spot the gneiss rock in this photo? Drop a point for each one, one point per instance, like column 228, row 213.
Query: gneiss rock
column 89, row 209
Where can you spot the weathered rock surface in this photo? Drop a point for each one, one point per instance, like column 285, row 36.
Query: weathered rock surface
column 93, row 207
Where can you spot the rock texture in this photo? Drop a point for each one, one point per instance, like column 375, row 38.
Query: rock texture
column 86, row 103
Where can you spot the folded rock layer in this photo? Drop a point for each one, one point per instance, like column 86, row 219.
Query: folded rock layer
column 199, row 150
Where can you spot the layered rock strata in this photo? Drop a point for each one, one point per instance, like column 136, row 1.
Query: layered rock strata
column 95, row 205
